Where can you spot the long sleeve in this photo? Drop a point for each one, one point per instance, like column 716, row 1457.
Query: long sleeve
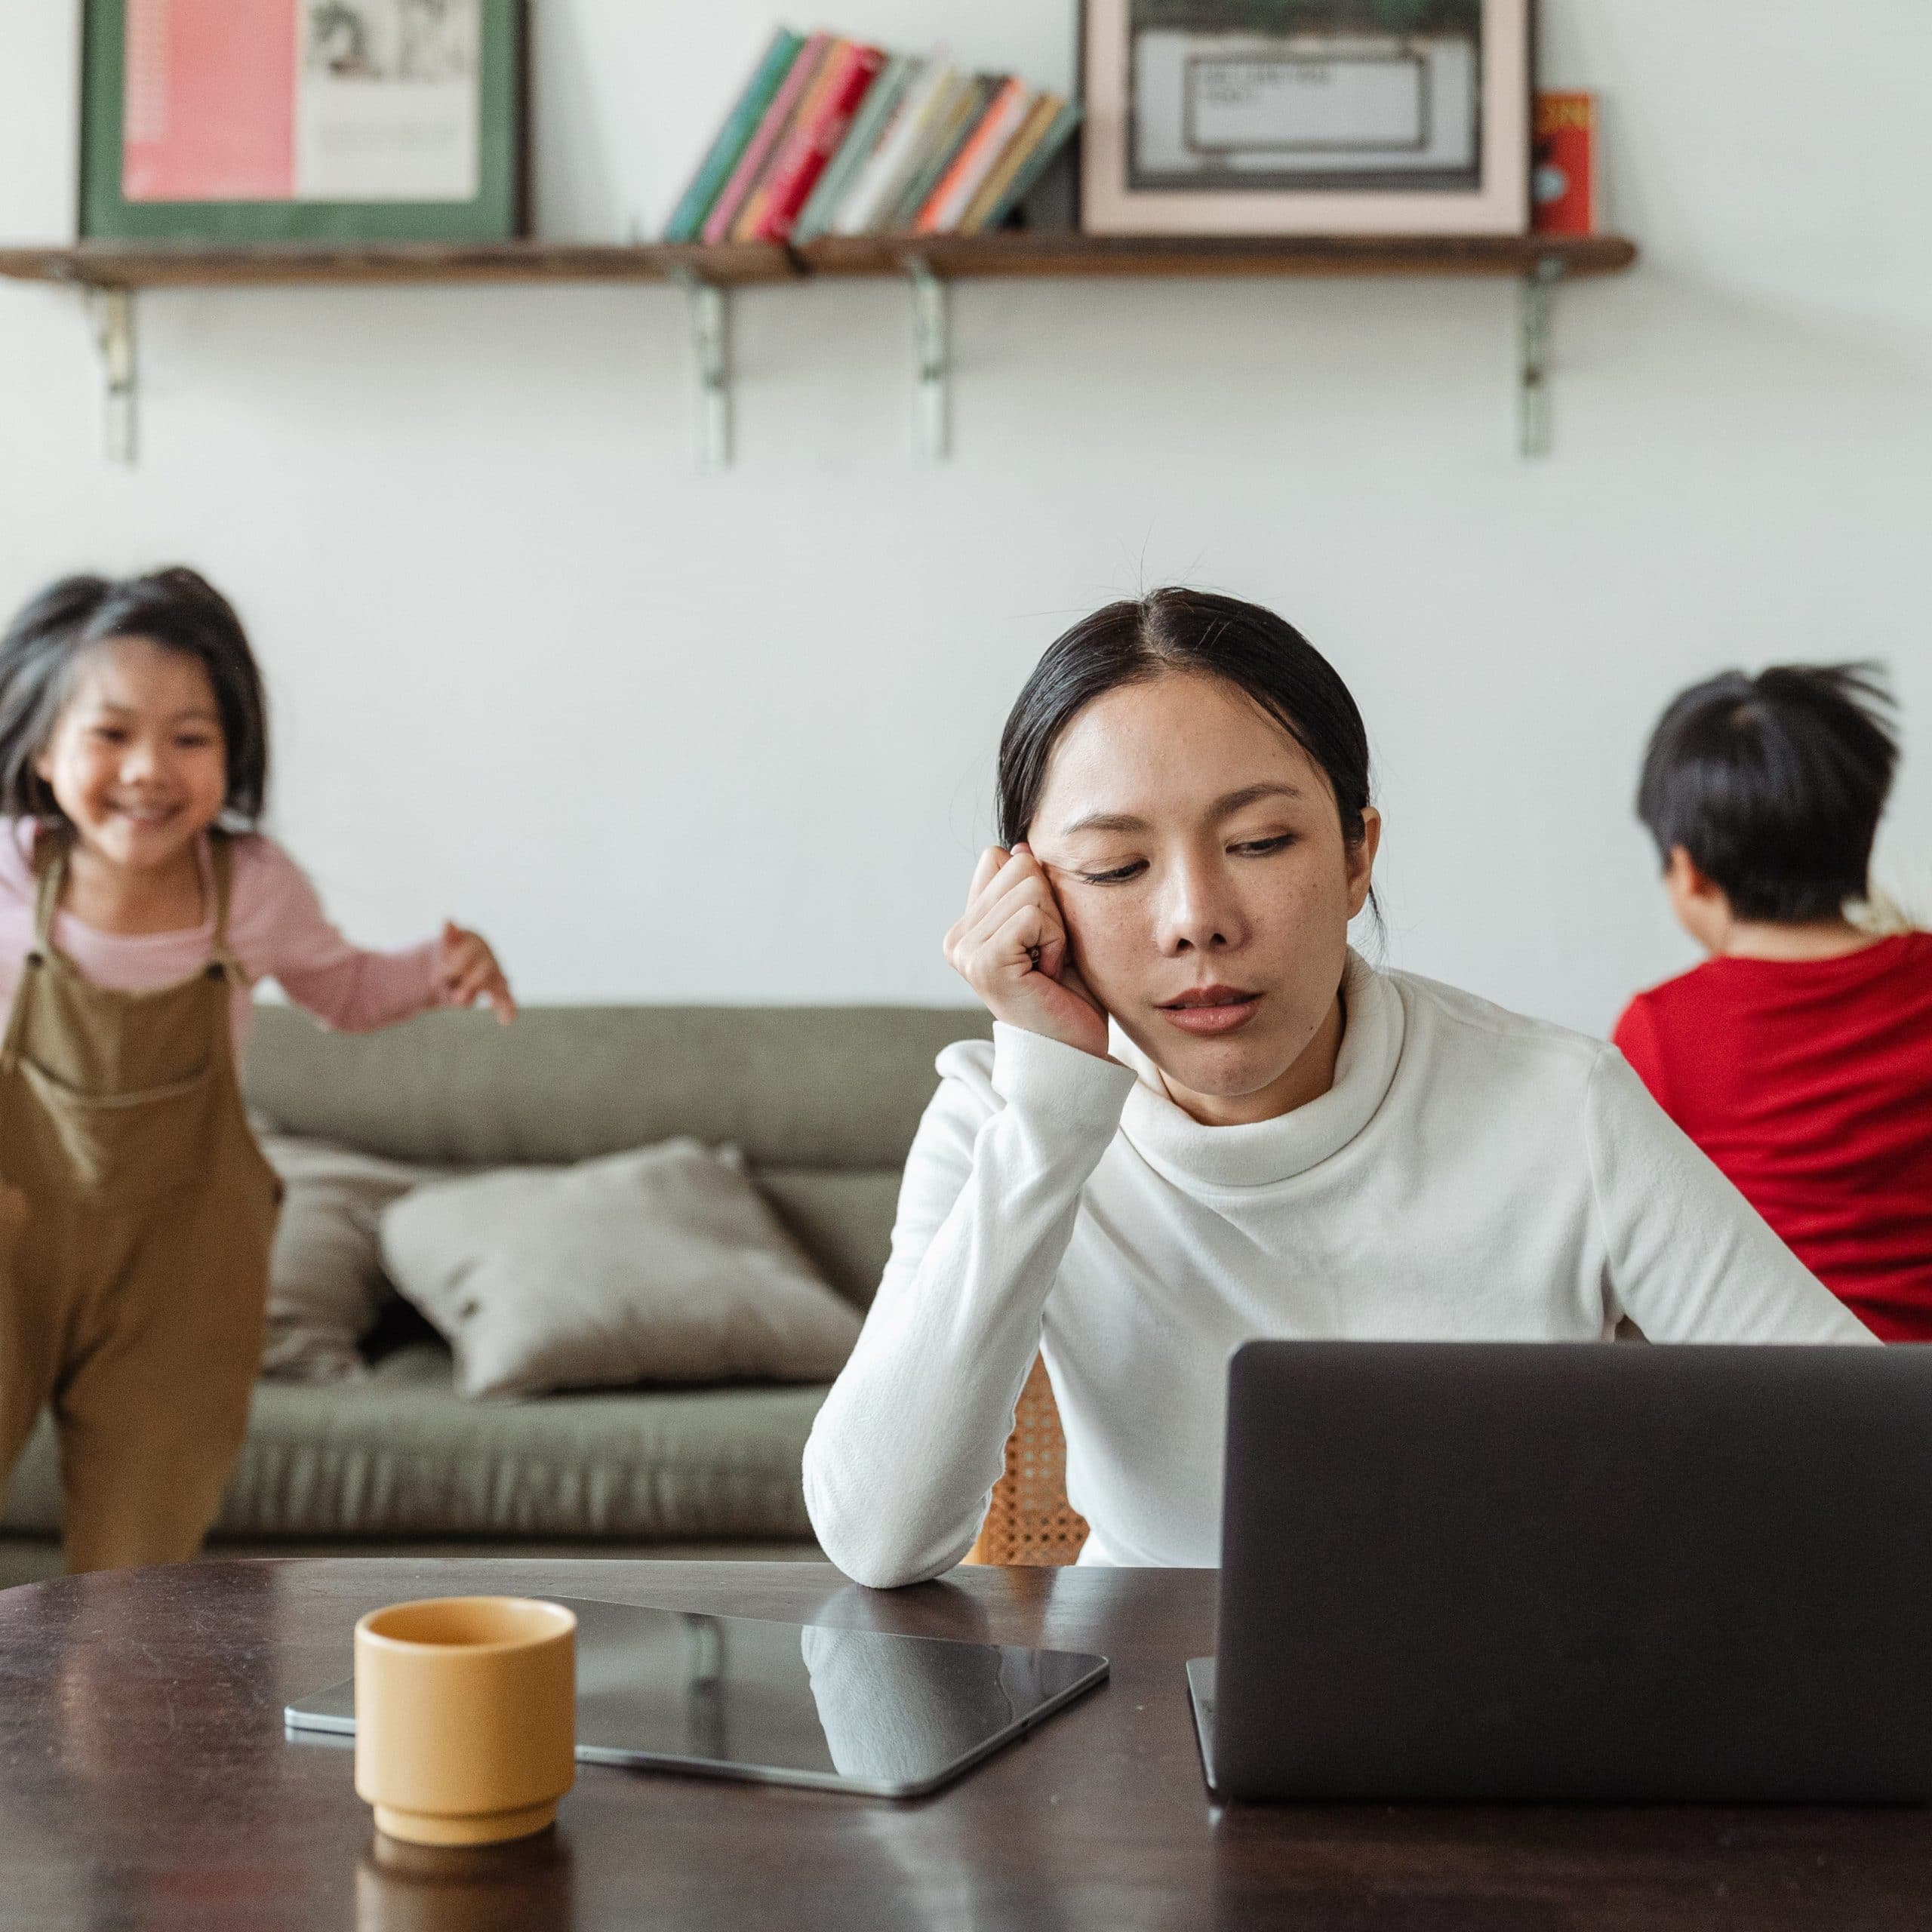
column 1636, row 1039
column 281, row 932
column 1689, row 1258
column 906, row 1449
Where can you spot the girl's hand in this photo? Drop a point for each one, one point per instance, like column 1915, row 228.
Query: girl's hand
column 1010, row 946
column 467, row 971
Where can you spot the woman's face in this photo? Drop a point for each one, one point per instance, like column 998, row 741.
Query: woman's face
column 1196, row 851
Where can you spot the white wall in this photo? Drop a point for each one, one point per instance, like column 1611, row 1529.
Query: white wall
column 731, row 737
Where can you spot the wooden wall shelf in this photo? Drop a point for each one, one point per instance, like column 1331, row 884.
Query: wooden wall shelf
column 963, row 257
column 105, row 265
column 110, row 273
column 131, row 265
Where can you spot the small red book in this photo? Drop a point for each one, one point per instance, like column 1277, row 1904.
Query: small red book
column 807, row 150
column 725, row 211
column 1565, row 175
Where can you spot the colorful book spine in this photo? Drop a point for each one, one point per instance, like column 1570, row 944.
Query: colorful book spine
column 1564, row 185
column 946, row 205
column 1036, row 164
column 883, row 99
column 1014, row 156
column 751, row 214
column 961, row 118
column 880, row 179
column 751, row 164
column 808, row 149
column 831, row 136
column 687, row 222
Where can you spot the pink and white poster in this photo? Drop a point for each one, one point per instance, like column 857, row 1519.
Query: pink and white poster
column 302, row 100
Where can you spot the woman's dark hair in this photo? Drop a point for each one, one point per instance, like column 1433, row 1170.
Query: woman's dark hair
column 1775, row 785
column 179, row 610
column 1260, row 654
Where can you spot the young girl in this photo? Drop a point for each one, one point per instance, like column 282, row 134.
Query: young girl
column 137, row 908
column 1203, row 1118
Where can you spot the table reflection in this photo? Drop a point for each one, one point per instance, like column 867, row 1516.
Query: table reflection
column 478, row 1888
column 135, row 1729
column 899, row 1713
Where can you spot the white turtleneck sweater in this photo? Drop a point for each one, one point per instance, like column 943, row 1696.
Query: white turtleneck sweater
column 1470, row 1176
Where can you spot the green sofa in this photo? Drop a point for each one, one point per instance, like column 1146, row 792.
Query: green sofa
column 824, row 1101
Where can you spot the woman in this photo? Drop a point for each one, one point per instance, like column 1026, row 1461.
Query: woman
column 1203, row 1118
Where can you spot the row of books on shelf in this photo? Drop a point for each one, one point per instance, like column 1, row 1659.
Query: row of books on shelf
column 831, row 136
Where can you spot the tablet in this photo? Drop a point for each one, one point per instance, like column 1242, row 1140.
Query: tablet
column 784, row 1703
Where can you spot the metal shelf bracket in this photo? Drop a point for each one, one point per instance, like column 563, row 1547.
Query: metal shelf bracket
column 932, row 345
column 711, row 343
column 111, row 312
column 1535, row 298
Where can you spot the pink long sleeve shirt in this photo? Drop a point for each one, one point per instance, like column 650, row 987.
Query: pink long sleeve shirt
column 276, row 929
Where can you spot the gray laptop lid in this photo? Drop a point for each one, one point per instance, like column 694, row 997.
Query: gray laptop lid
column 1554, row 1572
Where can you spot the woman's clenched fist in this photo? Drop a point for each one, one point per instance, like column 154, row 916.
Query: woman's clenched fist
column 1010, row 946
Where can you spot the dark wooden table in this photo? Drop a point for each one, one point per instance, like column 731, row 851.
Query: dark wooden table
column 146, row 1781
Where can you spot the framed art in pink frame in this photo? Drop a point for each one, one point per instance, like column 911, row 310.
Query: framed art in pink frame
column 1306, row 117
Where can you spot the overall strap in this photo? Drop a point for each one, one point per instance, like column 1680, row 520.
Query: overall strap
column 227, row 973
column 50, row 867
column 223, row 965
column 223, row 860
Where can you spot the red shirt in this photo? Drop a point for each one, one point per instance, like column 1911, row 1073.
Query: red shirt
column 1810, row 1084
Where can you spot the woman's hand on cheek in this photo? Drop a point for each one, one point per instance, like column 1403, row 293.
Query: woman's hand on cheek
column 1010, row 946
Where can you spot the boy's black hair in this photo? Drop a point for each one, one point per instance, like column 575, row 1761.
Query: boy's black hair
column 1775, row 785
column 179, row 610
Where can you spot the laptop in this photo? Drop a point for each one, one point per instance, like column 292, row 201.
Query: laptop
column 1559, row 1573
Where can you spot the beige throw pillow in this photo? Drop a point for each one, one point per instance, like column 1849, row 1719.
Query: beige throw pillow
column 325, row 1273
column 663, row 1265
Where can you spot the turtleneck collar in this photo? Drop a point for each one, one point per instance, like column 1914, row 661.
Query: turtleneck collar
column 1179, row 1147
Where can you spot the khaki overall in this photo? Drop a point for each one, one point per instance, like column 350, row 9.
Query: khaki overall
column 136, row 1213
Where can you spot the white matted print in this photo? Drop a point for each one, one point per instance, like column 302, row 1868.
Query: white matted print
column 1306, row 117
column 40, row 122
column 390, row 103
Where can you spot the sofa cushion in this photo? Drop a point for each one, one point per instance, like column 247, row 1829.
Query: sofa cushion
column 842, row 1219
column 325, row 1274
column 795, row 1086
column 400, row 1454
column 824, row 1101
column 660, row 1265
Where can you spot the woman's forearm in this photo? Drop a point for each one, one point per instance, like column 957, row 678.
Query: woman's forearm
column 913, row 1438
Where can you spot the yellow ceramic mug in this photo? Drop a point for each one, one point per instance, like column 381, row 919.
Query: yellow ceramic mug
column 466, row 1716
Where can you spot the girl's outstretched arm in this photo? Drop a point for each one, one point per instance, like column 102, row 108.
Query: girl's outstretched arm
column 468, row 971
column 279, row 931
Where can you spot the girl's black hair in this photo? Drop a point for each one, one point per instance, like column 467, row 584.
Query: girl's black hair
column 179, row 610
column 1775, row 785
column 1260, row 654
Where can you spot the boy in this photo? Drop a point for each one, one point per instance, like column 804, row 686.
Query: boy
column 1799, row 1055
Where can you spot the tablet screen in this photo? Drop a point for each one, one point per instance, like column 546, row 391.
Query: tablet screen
column 790, row 1704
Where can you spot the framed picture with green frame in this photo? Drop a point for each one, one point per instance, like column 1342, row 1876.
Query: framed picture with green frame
column 323, row 121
